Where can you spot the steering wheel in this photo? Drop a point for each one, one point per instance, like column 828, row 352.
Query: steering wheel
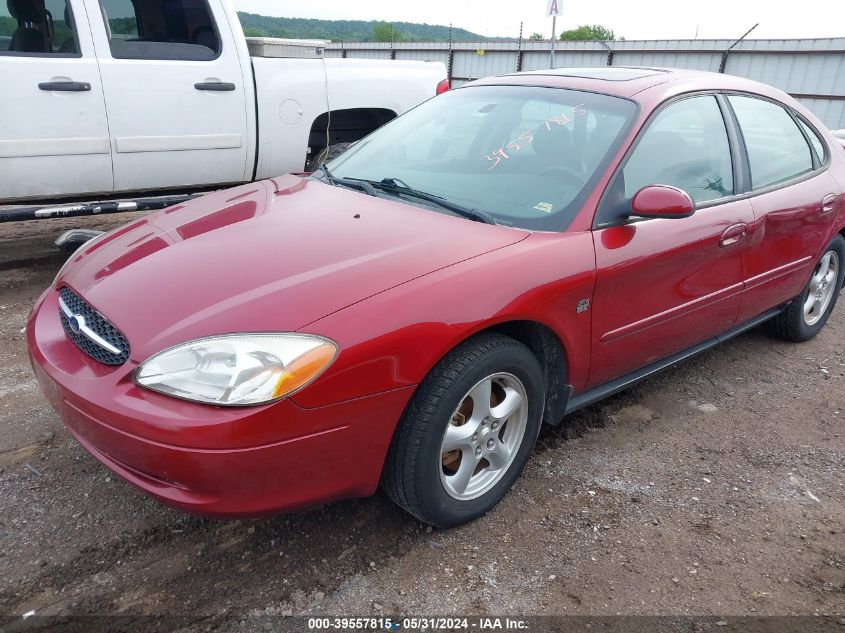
column 569, row 174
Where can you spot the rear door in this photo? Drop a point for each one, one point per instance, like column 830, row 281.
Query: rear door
column 792, row 195
column 174, row 91
column 664, row 285
column 54, row 137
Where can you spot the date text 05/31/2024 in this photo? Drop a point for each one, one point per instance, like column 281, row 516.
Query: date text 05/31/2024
column 416, row 624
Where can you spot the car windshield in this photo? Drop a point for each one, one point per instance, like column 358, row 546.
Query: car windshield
column 527, row 156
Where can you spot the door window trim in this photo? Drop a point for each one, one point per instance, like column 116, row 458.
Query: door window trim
column 795, row 116
column 822, row 160
column 738, row 151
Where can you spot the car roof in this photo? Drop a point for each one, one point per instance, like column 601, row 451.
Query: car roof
column 629, row 81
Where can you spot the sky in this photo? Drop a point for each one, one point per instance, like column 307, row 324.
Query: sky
column 645, row 19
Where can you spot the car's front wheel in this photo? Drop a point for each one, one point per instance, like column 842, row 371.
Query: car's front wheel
column 808, row 313
column 467, row 433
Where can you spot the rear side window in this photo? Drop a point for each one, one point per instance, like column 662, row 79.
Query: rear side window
column 160, row 29
column 777, row 150
column 815, row 141
column 37, row 27
column 685, row 146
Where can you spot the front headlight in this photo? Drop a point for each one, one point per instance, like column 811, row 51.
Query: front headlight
column 237, row 369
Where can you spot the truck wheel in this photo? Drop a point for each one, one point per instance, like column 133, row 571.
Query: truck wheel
column 326, row 154
column 467, row 432
column 808, row 313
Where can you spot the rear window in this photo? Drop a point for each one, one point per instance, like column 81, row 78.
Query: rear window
column 815, row 141
column 526, row 155
column 777, row 150
column 160, row 29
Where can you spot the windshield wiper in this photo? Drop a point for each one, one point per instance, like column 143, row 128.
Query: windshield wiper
column 352, row 183
column 397, row 186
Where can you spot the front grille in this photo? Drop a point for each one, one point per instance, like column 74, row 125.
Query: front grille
column 100, row 327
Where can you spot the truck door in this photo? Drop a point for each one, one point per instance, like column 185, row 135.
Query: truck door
column 54, row 137
column 175, row 93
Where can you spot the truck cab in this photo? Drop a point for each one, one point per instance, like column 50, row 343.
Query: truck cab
column 113, row 96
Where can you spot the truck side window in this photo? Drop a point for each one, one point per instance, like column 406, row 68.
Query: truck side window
column 160, row 29
column 37, row 27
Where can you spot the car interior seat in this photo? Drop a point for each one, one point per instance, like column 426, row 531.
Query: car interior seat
column 69, row 45
column 205, row 36
column 554, row 146
column 32, row 34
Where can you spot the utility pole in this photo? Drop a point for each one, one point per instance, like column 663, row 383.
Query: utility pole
column 554, row 8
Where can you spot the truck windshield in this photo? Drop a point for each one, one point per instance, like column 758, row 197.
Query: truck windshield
column 527, row 156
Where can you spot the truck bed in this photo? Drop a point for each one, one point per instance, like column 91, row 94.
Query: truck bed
column 279, row 47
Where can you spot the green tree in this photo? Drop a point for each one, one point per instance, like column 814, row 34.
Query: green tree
column 346, row 30
column 384, row 32
column 254, row 32
column 536, row 36
column 588, row 32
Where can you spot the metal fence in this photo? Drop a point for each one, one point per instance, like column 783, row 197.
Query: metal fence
column 811, row 70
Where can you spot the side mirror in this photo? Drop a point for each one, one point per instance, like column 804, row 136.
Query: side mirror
column 662, row 201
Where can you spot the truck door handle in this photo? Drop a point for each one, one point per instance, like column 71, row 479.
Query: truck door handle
column 733, row 234
column 827, row 203
column 215, row 86
column 65, row 86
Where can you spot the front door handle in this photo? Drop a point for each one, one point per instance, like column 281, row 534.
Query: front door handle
column 65, row 86
column 733, row 234
column 215, row 86
column 827, row 203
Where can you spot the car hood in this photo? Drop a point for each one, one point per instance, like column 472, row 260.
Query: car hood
column 270, row 256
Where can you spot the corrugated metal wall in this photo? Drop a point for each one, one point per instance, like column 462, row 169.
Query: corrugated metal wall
column 811, row 70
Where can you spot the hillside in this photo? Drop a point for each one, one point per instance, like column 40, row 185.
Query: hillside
column 350, row 30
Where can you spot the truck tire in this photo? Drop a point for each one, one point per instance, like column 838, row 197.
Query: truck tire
column 325, row 155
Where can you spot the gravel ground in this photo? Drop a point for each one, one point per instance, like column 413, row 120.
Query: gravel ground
column 715, row 489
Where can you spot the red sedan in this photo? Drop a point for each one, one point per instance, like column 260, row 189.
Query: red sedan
column 411, row 314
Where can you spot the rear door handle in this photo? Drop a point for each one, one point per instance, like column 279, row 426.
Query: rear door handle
column 215, row 86
column 65, row 86
column 733, row 234
column 827, row 203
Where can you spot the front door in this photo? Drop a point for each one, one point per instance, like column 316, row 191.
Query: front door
column 54, row 137
column 175, row 93
column 664, row 285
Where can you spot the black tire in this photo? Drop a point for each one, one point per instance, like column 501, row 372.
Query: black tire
column 790, row 324
column 410, row 477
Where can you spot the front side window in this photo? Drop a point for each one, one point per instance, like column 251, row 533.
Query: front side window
column 37, row 27
column 160, row 29
column 686, row 146
column 777, row 150
column 528, row 156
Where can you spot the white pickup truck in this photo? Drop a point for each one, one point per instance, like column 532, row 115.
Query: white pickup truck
column 102, row 97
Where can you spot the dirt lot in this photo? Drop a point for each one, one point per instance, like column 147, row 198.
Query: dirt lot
column 717, row 488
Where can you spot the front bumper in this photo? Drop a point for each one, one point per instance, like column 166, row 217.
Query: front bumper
column 211, row 461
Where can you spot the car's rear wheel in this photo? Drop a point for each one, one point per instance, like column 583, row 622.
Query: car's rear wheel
column 809, row 312
column 467, row 433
